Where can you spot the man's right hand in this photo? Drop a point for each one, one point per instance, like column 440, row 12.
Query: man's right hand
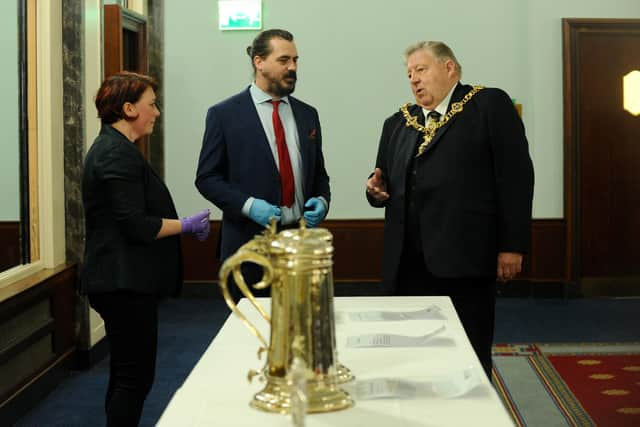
column 376, row 187
column 262, row 211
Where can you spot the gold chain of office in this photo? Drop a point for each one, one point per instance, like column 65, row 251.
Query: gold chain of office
column 432, row 126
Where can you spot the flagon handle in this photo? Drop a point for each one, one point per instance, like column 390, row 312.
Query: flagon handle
column 232, row 265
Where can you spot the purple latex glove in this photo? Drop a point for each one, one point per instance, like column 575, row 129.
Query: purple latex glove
column 197, row 224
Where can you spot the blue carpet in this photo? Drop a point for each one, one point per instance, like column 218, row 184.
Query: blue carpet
column 570, row 320
column 188, row 325
column 186, row 329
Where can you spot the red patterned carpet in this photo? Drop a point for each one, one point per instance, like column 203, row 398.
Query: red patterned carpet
column 570, row 384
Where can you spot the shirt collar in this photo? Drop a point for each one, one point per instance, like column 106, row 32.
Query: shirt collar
column 442, row 107
column 259, row 96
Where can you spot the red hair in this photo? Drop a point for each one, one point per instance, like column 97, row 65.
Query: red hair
column 119, row 89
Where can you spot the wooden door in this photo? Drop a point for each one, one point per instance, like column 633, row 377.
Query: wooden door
column 602, row 152
column 125, row 48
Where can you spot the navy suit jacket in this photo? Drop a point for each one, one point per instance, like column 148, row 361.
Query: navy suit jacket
column 474, row 187
column 236, row 163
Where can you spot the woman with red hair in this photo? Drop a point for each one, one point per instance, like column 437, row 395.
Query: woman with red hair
column 132, row 250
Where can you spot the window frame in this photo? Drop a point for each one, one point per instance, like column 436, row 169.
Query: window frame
column 45, row 151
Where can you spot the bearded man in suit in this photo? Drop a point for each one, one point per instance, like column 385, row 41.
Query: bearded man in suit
column 261, row 155
column 454, row 175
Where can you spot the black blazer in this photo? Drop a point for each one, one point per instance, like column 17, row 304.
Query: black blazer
column 236, row 162
column 124, row 203
column 474, row 187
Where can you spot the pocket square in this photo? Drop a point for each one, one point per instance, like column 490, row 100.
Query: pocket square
column 312, row 134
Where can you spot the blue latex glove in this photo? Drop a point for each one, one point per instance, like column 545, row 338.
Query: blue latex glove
column 197, row 224
column 314, row 211
column 261, row 212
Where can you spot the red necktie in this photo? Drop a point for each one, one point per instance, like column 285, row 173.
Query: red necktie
column 286, row 172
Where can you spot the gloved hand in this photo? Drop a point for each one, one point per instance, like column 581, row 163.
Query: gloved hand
column 261, row 211
column 197, row 224
column 314, row 212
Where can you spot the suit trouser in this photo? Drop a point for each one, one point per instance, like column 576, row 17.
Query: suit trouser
column 131, row 323
column 473, row 298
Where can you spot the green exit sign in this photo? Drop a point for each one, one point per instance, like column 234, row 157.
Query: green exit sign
column 240, row 14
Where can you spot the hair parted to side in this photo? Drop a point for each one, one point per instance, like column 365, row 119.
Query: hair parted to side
column 118, row 89
column 261, row 44
column 439, row 50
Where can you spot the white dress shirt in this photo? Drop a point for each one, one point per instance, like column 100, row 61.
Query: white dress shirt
column 442, row 107
column 264, row 107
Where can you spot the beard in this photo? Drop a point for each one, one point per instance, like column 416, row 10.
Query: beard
column 280, row 87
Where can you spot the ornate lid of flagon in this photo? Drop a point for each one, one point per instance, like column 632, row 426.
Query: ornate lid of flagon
column 316, row 242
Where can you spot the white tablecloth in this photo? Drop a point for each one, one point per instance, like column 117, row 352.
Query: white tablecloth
column 217, row 392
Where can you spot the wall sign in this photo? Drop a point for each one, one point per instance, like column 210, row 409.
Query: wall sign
column 240, row 14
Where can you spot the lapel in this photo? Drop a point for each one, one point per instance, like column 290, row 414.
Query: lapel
column 409, row 139
column 302, row 125
column 110, row 130
column 458, row 93
column 253, row 129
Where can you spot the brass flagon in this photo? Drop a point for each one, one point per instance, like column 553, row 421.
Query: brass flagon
column 297, row 264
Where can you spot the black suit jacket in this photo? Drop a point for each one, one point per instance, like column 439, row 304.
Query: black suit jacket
column 124, row 203
column 474, row 187
column 236, row 162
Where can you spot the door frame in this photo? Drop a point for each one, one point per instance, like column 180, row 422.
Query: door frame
column 572, row 30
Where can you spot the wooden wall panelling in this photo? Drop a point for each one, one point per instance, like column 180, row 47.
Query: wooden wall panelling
column 358, row 246
column 358, row 252
column 548, row 247
column 37, row 343
column 200, row 259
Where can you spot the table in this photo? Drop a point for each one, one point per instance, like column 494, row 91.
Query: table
column 217, row 392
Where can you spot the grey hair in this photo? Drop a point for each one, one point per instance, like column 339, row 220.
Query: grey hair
column 439, row 50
